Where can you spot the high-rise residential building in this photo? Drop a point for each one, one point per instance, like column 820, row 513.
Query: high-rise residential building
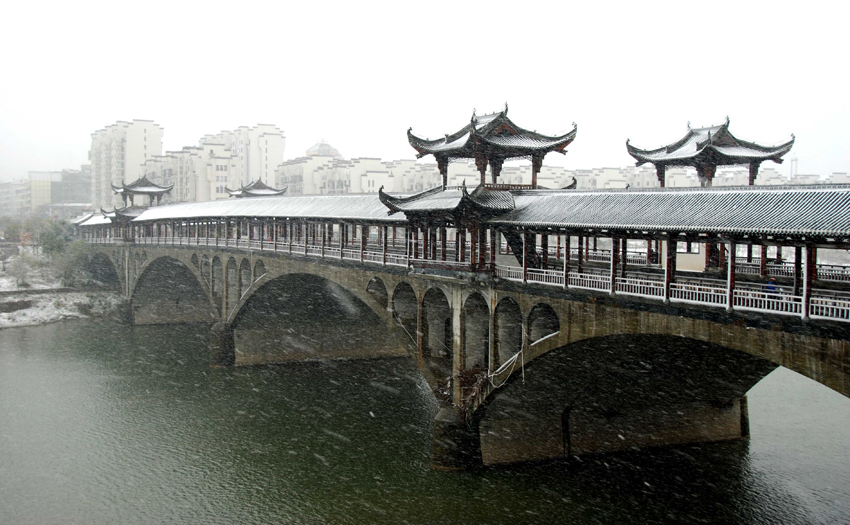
column 198, row 173
column 118, row 154
column 258, row 150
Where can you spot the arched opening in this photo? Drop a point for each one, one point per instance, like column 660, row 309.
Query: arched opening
column 103, row 272
column 508, row 328
column 377, row 290
column 244, row 277
column 542, row 321
column 405, row 309
column 233, row 293
column 259, row 270
column 617, row 393
column 306, row 317
column 169, row 292
column 217, row 282
column 437, row 334
column 476, row 333
column 195, row 260
column 205, row 269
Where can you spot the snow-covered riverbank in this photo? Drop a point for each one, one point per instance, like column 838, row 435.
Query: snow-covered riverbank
column 33, row 309
column 43, row 300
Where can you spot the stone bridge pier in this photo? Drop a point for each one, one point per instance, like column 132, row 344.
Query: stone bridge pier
column 521, row 372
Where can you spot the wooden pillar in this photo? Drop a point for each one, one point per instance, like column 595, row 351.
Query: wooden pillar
column 730, row 278
column 364, row 234
column 416, row 242
column 615, row 256
column 670, row 270
column 721, row 255
column 648, row 253
column 482, row 247
column 324, row 237
column 808, row 252
column 473, row 245
column 443, row 243
column 460, row 243
column 580, row 254
column 496, row 169
column 624, row 248
column 814, row 263
column 304, row 229
column 763, row 261
column 754, row 172
column 536, row 164
column 798, row 267
column 524, row 257
column 749, row 253
column 586, row 246
column 341, row 241
column 443, row 166
column 384, row 246
column 494, row 236
column 433, row 237
column 544, row 248
column 661, row 173
column 566, row 260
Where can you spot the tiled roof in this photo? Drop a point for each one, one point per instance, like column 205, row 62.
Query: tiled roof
column 365, row 207
column 494, row 134
column 759, row 210
column 714, row 145
column 142, row 186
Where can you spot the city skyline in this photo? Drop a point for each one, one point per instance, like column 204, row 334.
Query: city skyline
column 359, row 78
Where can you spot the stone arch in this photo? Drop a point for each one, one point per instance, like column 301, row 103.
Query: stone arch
column 245, row 280
column 437, row 334
column 476, row 333
column 619, row 392
column 508, row 330
column 232, row 280
column 303, row 316
column 376, row 288
column 104, row 272
column 542, row 321
column 195, row 260
column 168, row 291
column 259, row 270
column 206, row 269
column 405, row 308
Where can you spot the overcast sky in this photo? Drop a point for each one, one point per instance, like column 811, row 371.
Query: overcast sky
column 358, row 74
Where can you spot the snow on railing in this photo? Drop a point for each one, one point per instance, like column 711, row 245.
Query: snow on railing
column 511, row 273
column 697, row 294
column 589, row 281
column 830, row 308
column 772, row 302
column 640, row 287
column 544, row 276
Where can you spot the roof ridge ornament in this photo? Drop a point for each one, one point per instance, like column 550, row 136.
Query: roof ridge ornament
column 506, row 108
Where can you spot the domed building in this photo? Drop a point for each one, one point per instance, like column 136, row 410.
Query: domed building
column 323, row 149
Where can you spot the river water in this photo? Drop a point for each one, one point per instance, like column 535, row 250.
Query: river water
column 106, row 423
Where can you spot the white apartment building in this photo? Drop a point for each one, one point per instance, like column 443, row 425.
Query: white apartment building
column 321, row 172
column 198, row 173
column 258, row 150
column 118, row 154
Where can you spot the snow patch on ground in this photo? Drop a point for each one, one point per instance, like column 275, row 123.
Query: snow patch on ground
column 51, row 307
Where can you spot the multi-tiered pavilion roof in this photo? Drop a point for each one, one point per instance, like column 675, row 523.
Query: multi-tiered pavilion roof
column 144, row 187
column 256, row 188
column 709, row 147
column 491, row 139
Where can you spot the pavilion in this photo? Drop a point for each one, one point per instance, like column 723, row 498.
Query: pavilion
column 142, row 187
column 256, row 188
column 491, row 139
column 707, row 148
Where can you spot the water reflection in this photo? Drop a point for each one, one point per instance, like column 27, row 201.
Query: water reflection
column 101, row 422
